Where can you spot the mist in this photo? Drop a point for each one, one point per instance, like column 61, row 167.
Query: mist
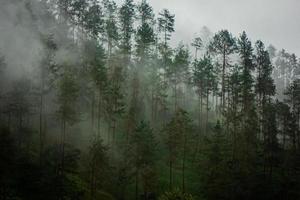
column 149, row 100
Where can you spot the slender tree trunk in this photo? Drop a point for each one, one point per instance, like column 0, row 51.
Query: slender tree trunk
column 152, row 106
column 199, row 124
column 175, row 96
column 99, row 114
column 114, row 132
column 155, row 108
column 62, row 168
column 41, row 128
column 223, row 101
column 93, row 113
column 217, row 105
column 207, row 109
column 20, row 129
column 63, row 148
column 92, row 187
column 108, row 131
column 284, row 132
column 170, row 175
column 9, row 121
column 136, row 184
column 183, row 163
column 201, row 111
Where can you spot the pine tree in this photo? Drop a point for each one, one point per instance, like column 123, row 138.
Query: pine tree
column 98, row 167
column 214, row 167
column 178, row 71
column 145, row 33
column 98, row 72
column 126, row 18
column 166, row 26
column 293, row 100
column 144, row 145
column 2, row 68
column 45, row 85
column 286, row 68
column 114, row 97
column 135, row 107
column 177, row 140
column 246, row 54
column 223, row 44
column 204, row 77
column 78, row 9
column 247, row 136
column 197, row 44
column 271, row 144
column 265, row 87
column 111, row 28
column 67, row 113
column 233, row 114
column 93, row 19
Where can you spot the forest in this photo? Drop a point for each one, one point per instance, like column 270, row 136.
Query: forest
column 96, row 103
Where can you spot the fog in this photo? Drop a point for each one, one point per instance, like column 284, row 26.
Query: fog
column 149, row 100
column 273, row 21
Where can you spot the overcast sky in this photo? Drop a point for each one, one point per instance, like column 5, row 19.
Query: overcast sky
column 275, row 22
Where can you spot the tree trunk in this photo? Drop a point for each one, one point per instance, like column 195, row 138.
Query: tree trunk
column 199, row 124
column 152, row 106
column 92, row 187
column 62, row 168
column 136, row 184
column 207, row 109
column 183, row 164
column 171, row 174
column 223, row 81
column 41, row 128
column 93, row 113
column 175, row 96
column 99, row 114
column 63, row 147
column 201, row 111
column 114, row 132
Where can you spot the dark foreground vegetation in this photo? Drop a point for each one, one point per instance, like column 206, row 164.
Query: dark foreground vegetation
column 96, row 104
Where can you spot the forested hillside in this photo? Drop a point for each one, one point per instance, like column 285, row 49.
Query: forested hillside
column 96, row 103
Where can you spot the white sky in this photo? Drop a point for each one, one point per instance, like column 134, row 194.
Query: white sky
column 274, row 22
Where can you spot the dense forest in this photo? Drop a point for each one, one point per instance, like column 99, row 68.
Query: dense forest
column 96, row 103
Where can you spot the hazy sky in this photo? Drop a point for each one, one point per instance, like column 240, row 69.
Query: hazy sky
column 273, row 21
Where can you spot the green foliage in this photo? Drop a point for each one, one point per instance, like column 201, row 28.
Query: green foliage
column 166, row 24
column 215, row 165
column 223, row 43
column 176, row 195
column 145, row 154
column 116, row 62
column 204, row 75
column 197, row 43
column 68, row 93
column 2, row 63
column 96, row 62
column 264, row 83
column 178, row 72
column 144, row 144
column 93, row 19
column 176, row 131
column 127, row 13
column 111, row 28
column 145, row 36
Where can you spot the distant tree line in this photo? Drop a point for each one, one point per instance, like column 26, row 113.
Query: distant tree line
column 115, row 112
